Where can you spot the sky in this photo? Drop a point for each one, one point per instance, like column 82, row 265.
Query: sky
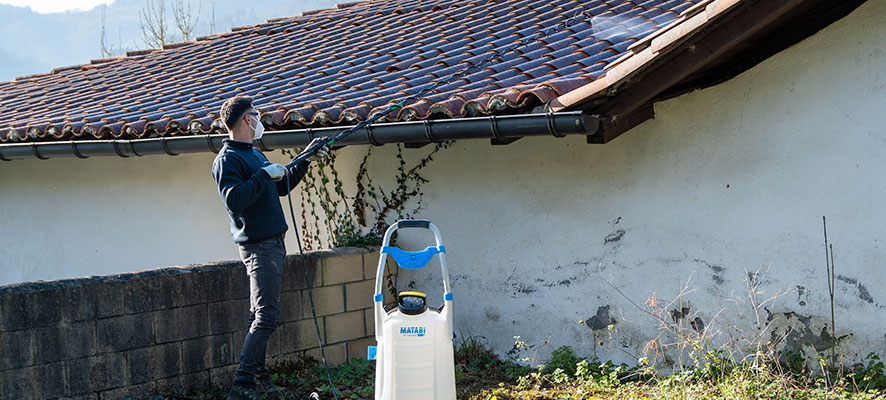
column 53, row 6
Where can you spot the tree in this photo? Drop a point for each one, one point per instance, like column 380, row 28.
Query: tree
column 186, row 21
column 156, row 29
column 108, row 50
column 152, row 21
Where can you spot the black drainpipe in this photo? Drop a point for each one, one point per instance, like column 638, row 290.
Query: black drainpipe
column 501, row 129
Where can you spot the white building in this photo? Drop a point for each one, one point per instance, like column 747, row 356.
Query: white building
column 553, row 239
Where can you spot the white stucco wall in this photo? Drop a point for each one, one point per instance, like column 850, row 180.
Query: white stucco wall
column 65, row 218
column 723, row 181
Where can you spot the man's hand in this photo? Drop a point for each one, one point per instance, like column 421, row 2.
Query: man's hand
column 321, row 152
column 276, row 171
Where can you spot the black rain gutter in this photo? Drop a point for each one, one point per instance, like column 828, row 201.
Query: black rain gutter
column 501, row 129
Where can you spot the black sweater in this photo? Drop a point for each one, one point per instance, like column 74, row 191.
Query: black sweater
column 249, row 194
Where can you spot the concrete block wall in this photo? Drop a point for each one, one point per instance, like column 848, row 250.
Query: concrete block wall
column 173, row 330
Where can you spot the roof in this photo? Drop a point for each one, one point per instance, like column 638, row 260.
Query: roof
column 335, row 67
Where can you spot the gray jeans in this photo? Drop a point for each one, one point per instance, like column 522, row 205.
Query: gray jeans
column 264, row 266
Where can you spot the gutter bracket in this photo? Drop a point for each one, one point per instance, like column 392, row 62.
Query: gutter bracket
column 428, row 133
column 3, row 158
column 117, row 149
column 370, row 137
column 551, row 127
column 261, row 145
column 37, row 153
column 499, row 140
column 166, row 147
column 77, row 152
column 209, row 143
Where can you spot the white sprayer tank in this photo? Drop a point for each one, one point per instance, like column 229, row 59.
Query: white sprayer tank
column 414, row 355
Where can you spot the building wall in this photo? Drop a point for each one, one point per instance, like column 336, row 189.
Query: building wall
column 723, row 182
column 66, row 218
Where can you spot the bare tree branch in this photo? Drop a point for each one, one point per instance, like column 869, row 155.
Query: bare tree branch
column 185, row 20
column 106, row 48
column 152, row 20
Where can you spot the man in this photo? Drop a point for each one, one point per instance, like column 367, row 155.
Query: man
column 250, row 187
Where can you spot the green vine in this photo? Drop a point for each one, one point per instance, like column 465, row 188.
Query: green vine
column 332, row 218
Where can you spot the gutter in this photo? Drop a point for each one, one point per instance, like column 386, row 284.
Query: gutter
column 500, row 129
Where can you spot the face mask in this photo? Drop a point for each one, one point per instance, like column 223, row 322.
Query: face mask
column 258, row 130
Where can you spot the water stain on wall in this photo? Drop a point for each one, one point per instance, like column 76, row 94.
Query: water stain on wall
column 863, row 292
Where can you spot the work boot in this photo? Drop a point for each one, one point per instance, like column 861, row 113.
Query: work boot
column 241, row 392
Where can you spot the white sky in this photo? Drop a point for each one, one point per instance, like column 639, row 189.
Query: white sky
column 51, row 6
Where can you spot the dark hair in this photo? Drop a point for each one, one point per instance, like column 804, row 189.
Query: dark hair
column 233, row 108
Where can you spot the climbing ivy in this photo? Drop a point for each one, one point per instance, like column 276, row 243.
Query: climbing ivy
column 332, row 218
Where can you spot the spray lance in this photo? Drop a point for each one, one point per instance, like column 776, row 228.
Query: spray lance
column 329, row 142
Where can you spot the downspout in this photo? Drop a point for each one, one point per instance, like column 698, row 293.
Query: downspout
column 503, row 129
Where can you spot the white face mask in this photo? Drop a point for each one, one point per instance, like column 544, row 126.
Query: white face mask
column 258, row 130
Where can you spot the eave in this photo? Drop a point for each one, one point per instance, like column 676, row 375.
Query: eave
column 711, row 43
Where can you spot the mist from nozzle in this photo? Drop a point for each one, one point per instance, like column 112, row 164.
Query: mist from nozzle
column 614, row 27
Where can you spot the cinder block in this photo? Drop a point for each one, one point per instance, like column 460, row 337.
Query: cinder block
column 14, row 313
column 222, row 377
column 16, row 349
column 107, row 299
column 46, row 307
column 79, row 376
column 299, row 335
column 358, row 295
column 80, row 305
column 216, row 283
column 124, row 333
column 195, row 355
column 138, row 294
column 184, row 383
column 181, row 323
column 274, row 343
column 90, row 396
column 342, row 268
column 165, row 360
column 358, row 348
column 107, row 372
column 63, row 342
column 369, row 320
column 335, row 354
column 145, row 390
column 292, row 306
column 221, row 350
column 370, row 264
column 294, row 274
column 138, row 362
column 328, row 300
column 169, row 292
column 238, row 282
column 19, row 383
column 344, row 327
column 227, row 316
column 52, row 380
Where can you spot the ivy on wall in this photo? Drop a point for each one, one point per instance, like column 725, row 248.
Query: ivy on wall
column 332, row 218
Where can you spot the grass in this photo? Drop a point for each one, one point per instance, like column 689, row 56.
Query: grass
column 482, row 375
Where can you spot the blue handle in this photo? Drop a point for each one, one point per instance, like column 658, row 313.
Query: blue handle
column 412, row 259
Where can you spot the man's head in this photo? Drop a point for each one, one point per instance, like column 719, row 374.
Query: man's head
column 240, row 117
